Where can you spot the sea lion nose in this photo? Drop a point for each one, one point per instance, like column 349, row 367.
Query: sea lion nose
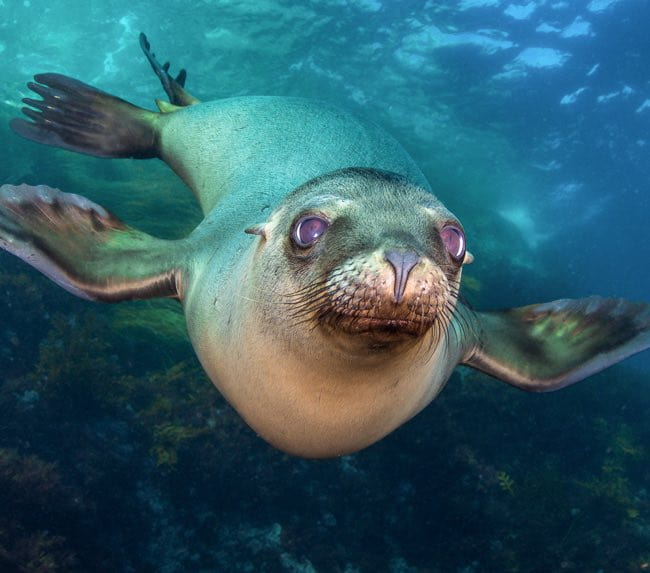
column 402, row 263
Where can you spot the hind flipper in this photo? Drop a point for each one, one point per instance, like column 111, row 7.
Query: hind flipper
column 84, row 248
column 75, row 116
column 548, row 346
column 174, row 87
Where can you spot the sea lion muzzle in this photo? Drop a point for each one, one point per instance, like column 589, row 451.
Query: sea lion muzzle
column 388, row 295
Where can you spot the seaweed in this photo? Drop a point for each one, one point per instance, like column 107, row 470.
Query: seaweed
column 32, row 541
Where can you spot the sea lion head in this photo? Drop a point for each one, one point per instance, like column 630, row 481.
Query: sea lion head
column 368, row 258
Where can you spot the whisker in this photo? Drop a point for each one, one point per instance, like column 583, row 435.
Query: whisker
column 348, row 299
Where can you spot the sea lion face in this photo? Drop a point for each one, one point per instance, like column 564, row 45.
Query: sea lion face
column 373, row 260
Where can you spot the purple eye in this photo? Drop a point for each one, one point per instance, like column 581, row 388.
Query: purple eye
column 454, row 240
column 308, row 230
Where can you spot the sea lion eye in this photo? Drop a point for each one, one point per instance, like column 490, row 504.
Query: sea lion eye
column 454, row 240
column 308, row 230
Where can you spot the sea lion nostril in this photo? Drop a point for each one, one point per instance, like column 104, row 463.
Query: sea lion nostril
column 402, row 263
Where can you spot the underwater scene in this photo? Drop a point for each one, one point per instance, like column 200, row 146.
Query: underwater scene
column 531, row 122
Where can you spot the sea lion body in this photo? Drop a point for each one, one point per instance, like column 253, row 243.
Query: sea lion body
column 316, row 400
column 267, row 147
column 321, row 288
column 250, row 152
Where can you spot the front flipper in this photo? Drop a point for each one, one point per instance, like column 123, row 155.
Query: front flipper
column 79, row 117
column 548, row 346
column 174, row 87
column 84, row 248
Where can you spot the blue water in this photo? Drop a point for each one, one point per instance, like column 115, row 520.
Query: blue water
column 531, row 120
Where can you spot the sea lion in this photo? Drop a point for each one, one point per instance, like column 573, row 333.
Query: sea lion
column 321, row 288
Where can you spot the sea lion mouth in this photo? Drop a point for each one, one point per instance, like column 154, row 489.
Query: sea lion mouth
column 377, row 326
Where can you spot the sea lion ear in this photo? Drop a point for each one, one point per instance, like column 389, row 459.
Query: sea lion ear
column 469, row 258
column 548, row 346
column 259, row 229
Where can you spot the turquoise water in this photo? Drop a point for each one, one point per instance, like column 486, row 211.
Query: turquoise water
column 532, row 123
